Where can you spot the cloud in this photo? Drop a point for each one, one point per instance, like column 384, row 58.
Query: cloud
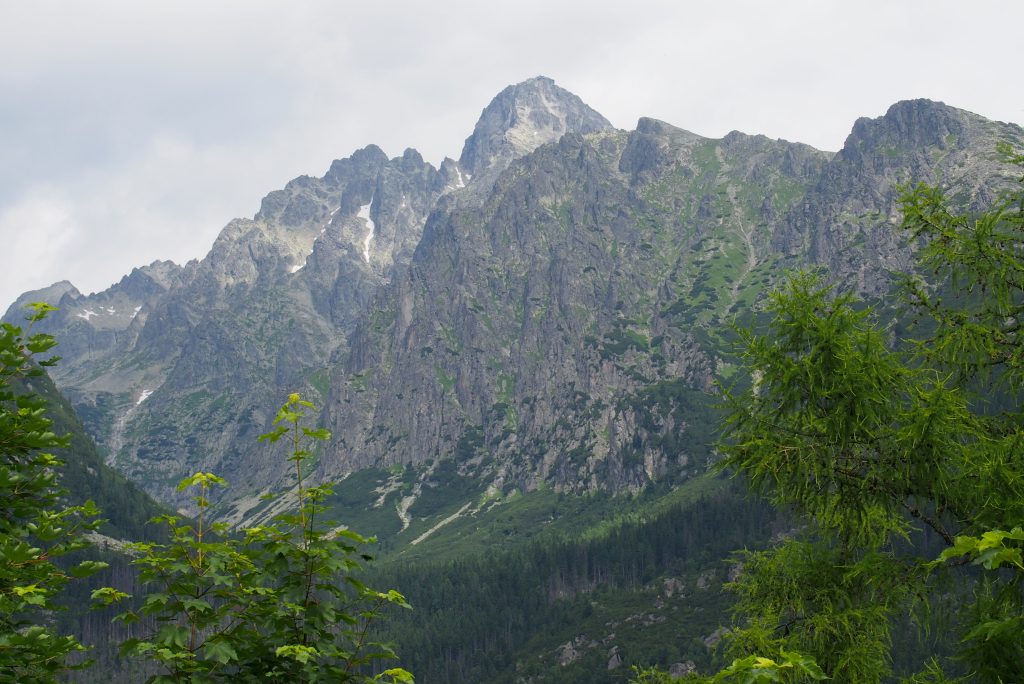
column 98, row 227
column 36, row 232
column 134, row 131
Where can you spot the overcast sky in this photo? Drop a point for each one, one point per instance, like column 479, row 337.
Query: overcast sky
column 133, row 131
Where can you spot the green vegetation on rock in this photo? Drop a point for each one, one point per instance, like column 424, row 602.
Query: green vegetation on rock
column 890, row 449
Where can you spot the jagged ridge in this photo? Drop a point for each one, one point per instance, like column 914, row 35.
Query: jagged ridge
column 544, row 309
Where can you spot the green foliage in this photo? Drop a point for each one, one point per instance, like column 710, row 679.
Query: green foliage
column 36, row 529
column 277, row 603
column 977, row 318
column 990, row 549
column 499, row 616
column 884, row 445
column 788, row 667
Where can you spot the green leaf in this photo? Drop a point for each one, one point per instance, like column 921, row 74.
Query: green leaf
column 192, row 605
column 87, row 568
column 40, row 309
column 32, row 594
column 202, row 480
column 297, row 652
column 321, row 433
column 397, row 675
column 220, row 651
column 108, row 595
column 171, row 636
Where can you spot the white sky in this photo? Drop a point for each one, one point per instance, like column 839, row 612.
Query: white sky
column 133, row 131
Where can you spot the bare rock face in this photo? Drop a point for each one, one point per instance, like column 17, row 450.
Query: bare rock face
column 520, row 119
column 712, row 640
column 177, row 368
column 51, row 295
column 614, row 659
column 555, row 326
column 547, row 309
column 847, row 222
column 680, row 670
column 92, row 327
column 567, row 654
column 671, row 587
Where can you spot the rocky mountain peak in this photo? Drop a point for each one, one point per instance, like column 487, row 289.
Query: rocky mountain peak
column 648, row 126
column 910, row 124
column 164, row 273
column 51, row 295
column 520, row 119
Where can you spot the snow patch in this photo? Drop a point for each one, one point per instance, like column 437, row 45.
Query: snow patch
column 458, row 182
column 120, row 426
column 86, row 314
column 298, row 267
column 136, row 312
column 364, row 213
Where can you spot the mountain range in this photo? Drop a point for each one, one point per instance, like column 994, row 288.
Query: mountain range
column 550, row 310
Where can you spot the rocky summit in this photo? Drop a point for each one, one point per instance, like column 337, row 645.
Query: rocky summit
column 549, row 310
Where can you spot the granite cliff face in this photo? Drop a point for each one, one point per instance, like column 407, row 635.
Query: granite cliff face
column 559, row 331
column 548, row 309
column 520, row 119
column 847, row 220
